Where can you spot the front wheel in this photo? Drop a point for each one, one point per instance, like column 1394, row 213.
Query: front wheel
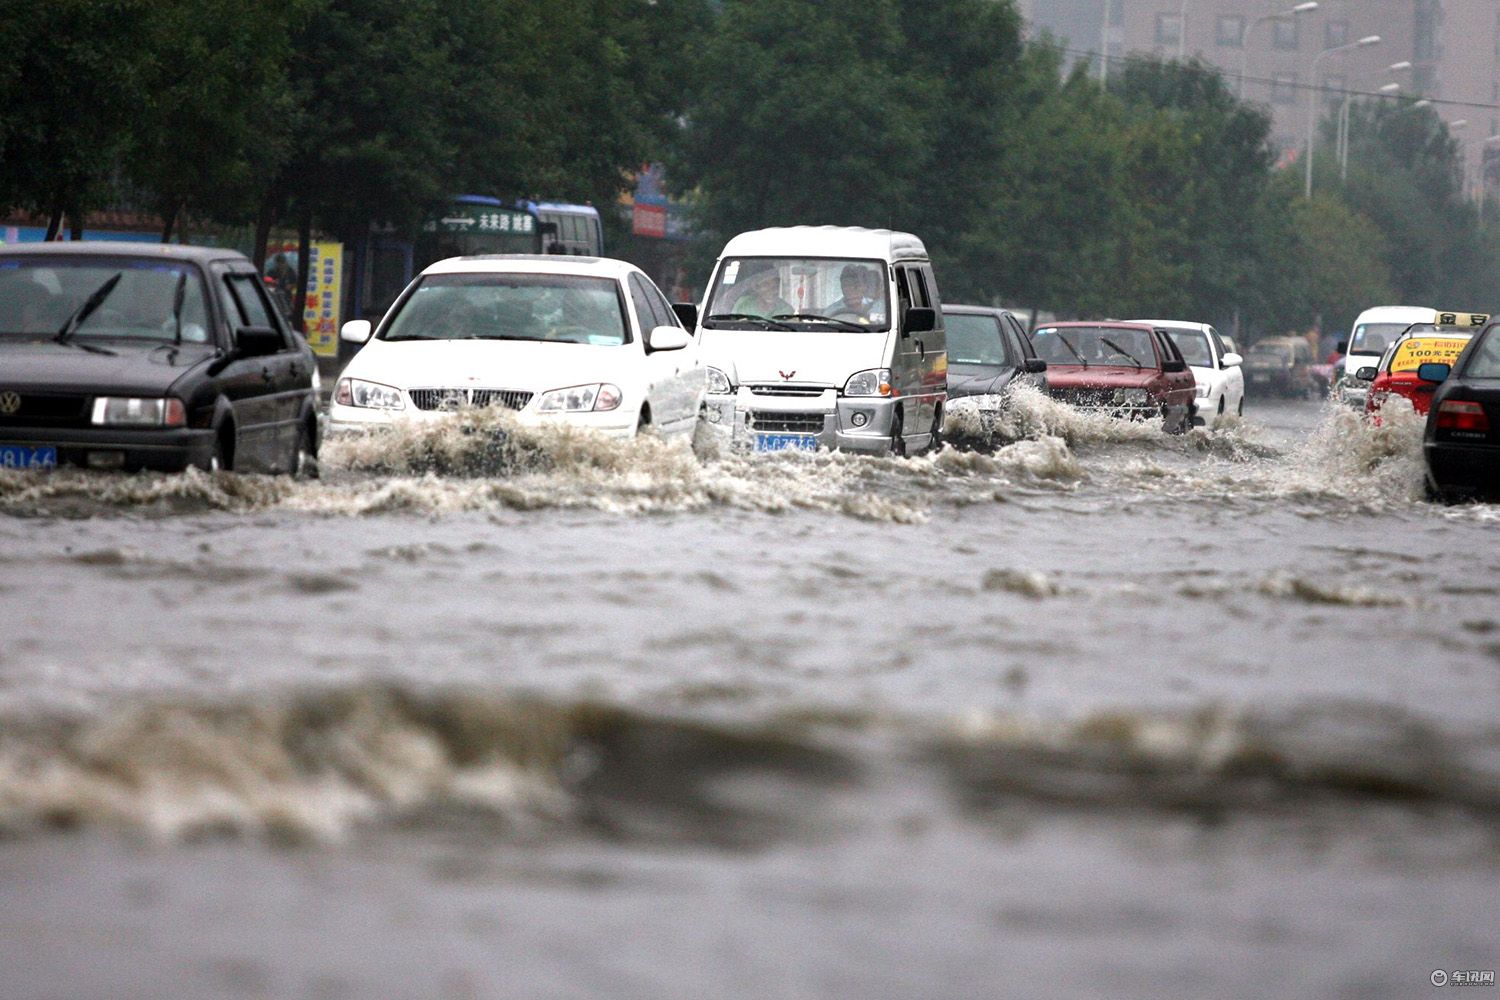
column 935, row 439
column 304, row 460
column 898, row 439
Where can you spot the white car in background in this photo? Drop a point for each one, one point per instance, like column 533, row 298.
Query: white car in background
column 579, row 340
column 1216, row 369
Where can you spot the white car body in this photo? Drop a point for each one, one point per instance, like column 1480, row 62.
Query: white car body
column 1389, row 321
column 663, row 386
column 1220, row 388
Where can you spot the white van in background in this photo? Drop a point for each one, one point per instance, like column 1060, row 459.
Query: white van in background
column 1374, row 330
column 825, row 336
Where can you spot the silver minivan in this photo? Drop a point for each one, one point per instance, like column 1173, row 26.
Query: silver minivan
column 825, row 337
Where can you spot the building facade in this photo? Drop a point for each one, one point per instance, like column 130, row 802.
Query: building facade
column 1446, row 51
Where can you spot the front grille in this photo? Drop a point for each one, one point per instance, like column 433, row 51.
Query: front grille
column 1087, row 397
column 456, row 399
column 786, row 390
column 792, row 423
column 41, row 409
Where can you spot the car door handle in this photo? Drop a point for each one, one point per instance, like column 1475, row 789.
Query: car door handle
column 267, row 374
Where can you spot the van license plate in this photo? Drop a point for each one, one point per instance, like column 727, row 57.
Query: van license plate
column 786, row 442
column 14, row 456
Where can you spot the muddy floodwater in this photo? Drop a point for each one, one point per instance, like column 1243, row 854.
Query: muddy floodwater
column 1088, row 711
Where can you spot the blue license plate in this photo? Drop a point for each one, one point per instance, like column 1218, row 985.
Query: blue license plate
column 786, row 442
column 15, row 456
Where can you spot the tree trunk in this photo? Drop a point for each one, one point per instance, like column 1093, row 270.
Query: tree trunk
column 304, row 248
column 263, row 223
column 54, row 224
column 75, row 228
column 169, row 220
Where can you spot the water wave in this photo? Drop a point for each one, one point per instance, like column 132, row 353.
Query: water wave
column 319, row 765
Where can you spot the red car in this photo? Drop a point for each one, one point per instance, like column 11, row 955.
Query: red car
column 1396, row 375
column 1126, row 369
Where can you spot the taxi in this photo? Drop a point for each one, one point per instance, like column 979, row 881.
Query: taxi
column 1397, row 374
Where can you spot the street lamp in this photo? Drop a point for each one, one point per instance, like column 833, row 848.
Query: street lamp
column 1343, row 129
column 1301, row 8
column 1312, row 97
column 1482, row 174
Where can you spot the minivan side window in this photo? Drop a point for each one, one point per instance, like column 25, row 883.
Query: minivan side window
column 929, row 287
column 918, row 286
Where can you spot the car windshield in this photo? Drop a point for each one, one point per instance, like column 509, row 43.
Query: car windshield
column 976, row 340
column 1374, row 338
column 99, row 297
column 801, row 293
column 1194, row 347
column 1095, row 345
column 1279, row 353
column 563, row 308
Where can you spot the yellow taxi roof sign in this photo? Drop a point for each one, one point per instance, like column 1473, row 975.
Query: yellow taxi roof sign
column 1461, row 319
column 1421, row 350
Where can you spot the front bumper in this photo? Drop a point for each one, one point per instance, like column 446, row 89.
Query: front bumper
column 160, row 449
column 1353, row 393
column 618, row 423
column 846, row 423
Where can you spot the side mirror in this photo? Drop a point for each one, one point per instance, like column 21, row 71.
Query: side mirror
column 1434, row 371
column 918, row 319
column 1034, row 366
column 1172, row 365
column 1231, row 360
column 1366, row 374
column 1342, row 347
column 257, row 341
column 356, row 331
column 687, row 314
column 667, row 338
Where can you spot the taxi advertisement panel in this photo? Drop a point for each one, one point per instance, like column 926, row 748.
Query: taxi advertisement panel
column 1418, row 351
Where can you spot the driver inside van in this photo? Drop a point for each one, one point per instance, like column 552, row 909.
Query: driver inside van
column 861, row 288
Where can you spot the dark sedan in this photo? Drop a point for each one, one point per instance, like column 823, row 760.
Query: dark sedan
column 146, row 356
column 988, row 352
column 1462, row 441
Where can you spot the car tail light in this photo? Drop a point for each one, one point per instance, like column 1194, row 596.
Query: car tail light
column 1461, row 415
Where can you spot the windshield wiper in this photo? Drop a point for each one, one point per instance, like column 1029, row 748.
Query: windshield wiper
column 1072, row 350
column 1120, row 350
column 770, row 324
column 842, row 324
column 86, row 310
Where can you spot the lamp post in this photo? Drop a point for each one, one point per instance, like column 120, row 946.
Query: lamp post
column 1312, row 97
column 1301, row 8
column 1343, row 129
column 1482, row 178
column 1181, row 29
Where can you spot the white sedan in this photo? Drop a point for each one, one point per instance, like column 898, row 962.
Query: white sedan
column 1220, row 388
column 578, row 340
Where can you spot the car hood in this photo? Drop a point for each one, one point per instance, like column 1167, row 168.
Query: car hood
column 1099, row 376
column 808, row 357
column 492, row 364
column 975, row 380
column 133, row 369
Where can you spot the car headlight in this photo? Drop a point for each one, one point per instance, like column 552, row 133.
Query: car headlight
column 875, row 382
column 1203, row 390
column 580, row 399
column 1131, row 397
column 371, row 395
column 133, row 411
column 718, row 382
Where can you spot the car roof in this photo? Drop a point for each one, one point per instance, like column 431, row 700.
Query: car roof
column 826, row 241
column 1175, row 324
column 120, row 248
column 530, row 263
column 1113, row 324
column 1396, row 314
column 975, row 310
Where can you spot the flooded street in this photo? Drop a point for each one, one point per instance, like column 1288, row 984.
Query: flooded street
column 1097, row 713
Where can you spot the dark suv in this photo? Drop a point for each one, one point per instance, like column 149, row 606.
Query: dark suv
column 148, row 356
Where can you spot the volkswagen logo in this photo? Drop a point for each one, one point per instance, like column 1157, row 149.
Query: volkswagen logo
column 10, row 403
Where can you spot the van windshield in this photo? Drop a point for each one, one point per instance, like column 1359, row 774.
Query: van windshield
column 1374, row 338
column 799, row 293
